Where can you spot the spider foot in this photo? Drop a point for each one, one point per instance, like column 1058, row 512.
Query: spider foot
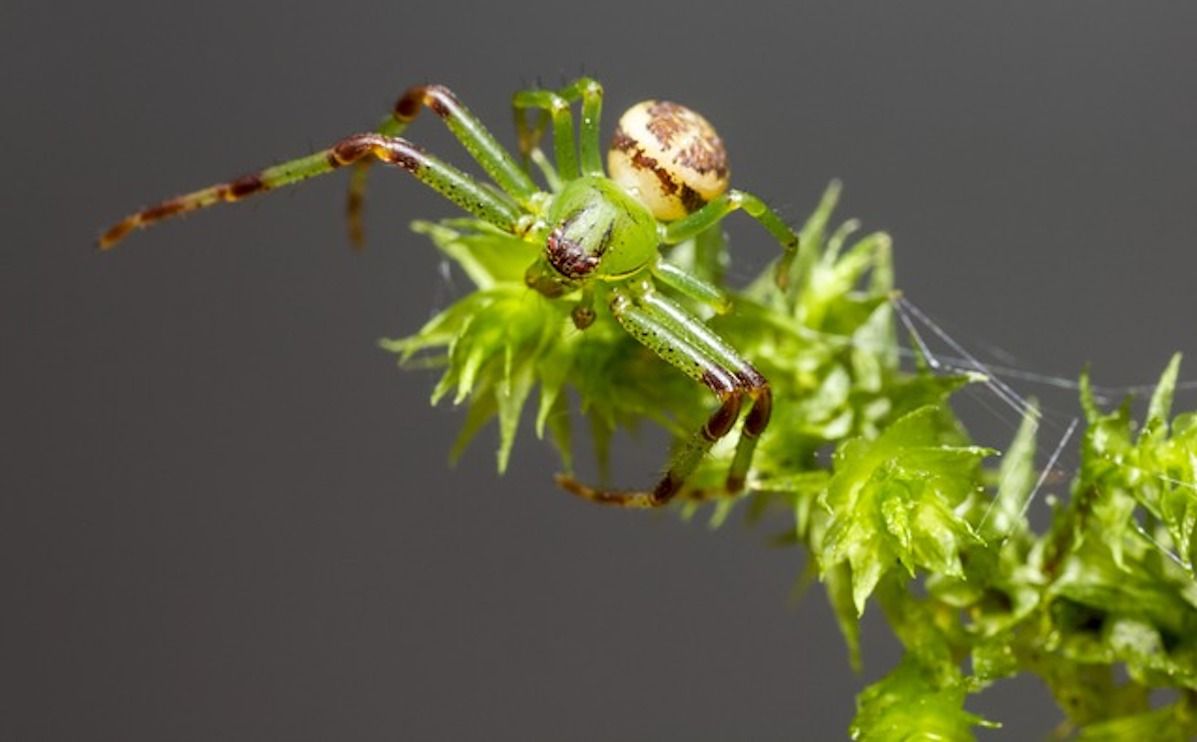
column 639, row 499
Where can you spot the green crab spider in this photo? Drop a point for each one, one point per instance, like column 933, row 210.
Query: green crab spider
column 668, row 182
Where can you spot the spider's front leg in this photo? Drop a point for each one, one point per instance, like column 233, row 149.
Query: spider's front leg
column 557, row 105
column 464, row 125
column 447, row 180
column 714, row 212
column 685, row 342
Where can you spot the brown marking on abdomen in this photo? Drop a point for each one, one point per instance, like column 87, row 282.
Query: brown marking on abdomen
column 665, row 121
column 644, row 162
column 703, row 155
column 621, row 141
column 691, row 200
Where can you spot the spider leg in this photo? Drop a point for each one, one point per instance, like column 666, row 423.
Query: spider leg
column 751, row 381
column 690, row 285
column 447, row 180
column 709, row 215
column 551, row 177
column 683, row 341
column 464, row 125
column 550, row 105
column 557, row 106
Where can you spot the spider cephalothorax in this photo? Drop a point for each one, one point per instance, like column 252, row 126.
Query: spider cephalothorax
column 599, row 231
column 669, row 182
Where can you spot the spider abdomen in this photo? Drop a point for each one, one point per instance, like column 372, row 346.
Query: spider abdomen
column 669, row 157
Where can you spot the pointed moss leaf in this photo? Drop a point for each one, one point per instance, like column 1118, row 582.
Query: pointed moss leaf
column 899, row 511
column 919, row 625
column 1174, row 723
column 908, row 706
column 561, row 433
column 801, row 483
column 1143, row 587
column 994, row 658
column 1161, row 400
column 882, row 281
column 1148, row 661
column 835, row 243
column 1121, row 472
column 861, row 258
column 923, row 390
column 468, row 358
column 813, row 235
column 1016, row 480
column 511, row 398
column 479, row 413
column 875, row 349
column 895, row 511
column 828, row 302
column 1088, row 400
column 721, row 512
column 553, row 368
column 815, row 229
column 487, row 256
column 839, row 591
column 894, row 500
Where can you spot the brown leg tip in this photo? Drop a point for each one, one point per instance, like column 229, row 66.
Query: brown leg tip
column 782, row 278
column 114, row 235
column 617, row 498
column 568, row 483
column 353, row 217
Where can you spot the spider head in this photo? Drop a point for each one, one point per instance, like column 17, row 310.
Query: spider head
column 598, row 232
column 669, row 158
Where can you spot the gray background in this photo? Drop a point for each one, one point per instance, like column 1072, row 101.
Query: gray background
column 224, row 514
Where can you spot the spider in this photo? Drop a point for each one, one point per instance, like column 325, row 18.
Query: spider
column 668, row 181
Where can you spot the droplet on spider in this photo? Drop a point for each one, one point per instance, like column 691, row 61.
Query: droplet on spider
column 669, row 157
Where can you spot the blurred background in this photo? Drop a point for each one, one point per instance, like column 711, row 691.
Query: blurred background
column 225, row 514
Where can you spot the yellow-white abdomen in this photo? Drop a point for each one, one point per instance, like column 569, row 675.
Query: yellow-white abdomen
column 669, row 158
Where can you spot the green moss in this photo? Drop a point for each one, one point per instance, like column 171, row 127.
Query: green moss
column 907, row 512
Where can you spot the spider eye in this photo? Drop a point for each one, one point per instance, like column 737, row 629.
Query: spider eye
column 669, row 157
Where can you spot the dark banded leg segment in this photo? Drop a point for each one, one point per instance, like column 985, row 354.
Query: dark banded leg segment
column 714, row 212
column 755, row 423
column 447, row 180
column 691, row 351
column 469, row 130
column 750, row 381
